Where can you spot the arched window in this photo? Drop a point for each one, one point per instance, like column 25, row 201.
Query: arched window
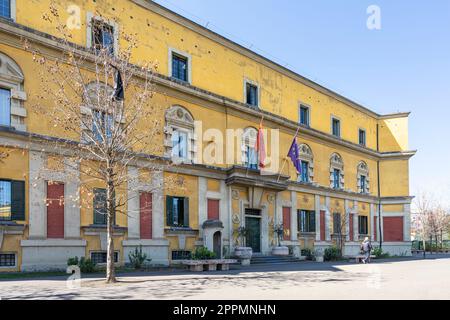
column 362, row 176
column 179, row 134
column 336, row 171
column 12, row 94
column 307, row 163
column 99, row 111
column 249, row 154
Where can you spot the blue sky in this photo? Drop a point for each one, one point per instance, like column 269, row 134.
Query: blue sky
column 405, row 66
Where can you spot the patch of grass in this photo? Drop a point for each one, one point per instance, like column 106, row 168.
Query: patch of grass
column 25, row 275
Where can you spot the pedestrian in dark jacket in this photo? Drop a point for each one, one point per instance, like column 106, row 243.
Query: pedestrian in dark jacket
column 366, row 247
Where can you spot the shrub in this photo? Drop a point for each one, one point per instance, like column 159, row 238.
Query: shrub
column 86, row 265
column 378, row 253
column 332, row 254
column 72, row 261
column 137, row 258
column 308, row 253
column 202, row 253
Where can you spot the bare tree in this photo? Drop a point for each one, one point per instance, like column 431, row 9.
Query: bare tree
column 101, row 104
column 340, row 228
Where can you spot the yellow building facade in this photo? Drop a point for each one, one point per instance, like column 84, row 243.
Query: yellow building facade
column 354, row 180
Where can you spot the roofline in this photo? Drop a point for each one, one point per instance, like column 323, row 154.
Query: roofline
column 216, row 37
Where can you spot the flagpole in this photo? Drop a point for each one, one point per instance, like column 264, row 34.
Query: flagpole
column 284, row 162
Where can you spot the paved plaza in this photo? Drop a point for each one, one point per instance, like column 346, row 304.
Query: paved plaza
column 406, row 278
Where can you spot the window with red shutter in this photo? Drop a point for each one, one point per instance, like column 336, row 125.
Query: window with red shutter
column 145, row 205
column 392, row 229
column 286, row 223
column 55, row 210
column 213, row 209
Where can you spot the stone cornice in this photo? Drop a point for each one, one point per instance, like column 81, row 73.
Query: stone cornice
column 30, row 141
column 159, row 79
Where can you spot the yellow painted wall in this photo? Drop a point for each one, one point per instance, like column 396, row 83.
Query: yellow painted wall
column 280, row 94
column 305, row 201
column 393, row 134
column 394, row 178
column 392, row 208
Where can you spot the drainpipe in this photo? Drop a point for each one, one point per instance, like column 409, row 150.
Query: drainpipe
column 380, row 235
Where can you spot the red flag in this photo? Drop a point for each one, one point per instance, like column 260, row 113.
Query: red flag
column 260, row 147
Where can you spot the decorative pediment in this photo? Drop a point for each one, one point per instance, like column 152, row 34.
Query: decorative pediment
column 179, row 115
column 10, row 69
column 336, row 161
column 363, row 168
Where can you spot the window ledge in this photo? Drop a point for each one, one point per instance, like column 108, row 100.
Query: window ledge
column 180, row 230
column 95, row 229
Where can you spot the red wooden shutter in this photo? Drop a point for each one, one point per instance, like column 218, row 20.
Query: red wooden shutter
column 213, row 209
column 322, row 225
column 393, row 229
column 55, row 210
column 350, row 222
column 286, row 223
column 145, row 205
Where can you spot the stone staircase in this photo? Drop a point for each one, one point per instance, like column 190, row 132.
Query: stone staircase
column 260, row 259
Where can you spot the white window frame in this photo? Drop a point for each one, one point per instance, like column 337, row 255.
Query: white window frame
column 185, row 55
column 12, row 10
column 258, row 93
column 89, row 17
column 300, row 105
column 340, row 126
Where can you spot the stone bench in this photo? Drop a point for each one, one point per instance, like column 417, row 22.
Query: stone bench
column 209, row 265
column 357, row 258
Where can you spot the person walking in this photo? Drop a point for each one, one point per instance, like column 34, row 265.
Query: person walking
column 366, row 247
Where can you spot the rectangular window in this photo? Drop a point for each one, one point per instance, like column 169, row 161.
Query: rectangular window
column 304, row 177
column 337, row 223
column 102, row 36
column 12, row 200
column 99, row 206
column 304, row 115
column 5, row 107
column 251, row 92
column 307, row 221
column 55, row 210
column 181, row 255
column 5, row 8
column 177, row 211
column 336, row 127
column 179, row 67
column 102, row 125
column 7, row 260
column 362, row 137
column 213, row 209
column 336, row 178
column 145, row 223
column 362, row 225
column 180, row 144
column 362, row 181
column 99, row 257
column 251, row 158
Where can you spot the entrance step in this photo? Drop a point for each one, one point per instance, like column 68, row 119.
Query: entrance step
column 259, row 259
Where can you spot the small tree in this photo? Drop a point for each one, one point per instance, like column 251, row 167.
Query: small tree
column 100, row 105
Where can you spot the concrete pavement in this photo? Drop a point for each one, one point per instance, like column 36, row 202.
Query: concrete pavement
column 387, row 279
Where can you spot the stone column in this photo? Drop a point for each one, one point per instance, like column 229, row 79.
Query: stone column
column 72, row 219
column 294, row 225
column 158, row 206
column 223, row 210
column 407, row 222
column 37, row 198
column 327, row 220
column 202, row 203
column 133, row 204
column 347, row 219
column 371, row 222
column 317, row 208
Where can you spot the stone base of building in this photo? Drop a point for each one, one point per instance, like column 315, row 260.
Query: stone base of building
column 156, row 249
column 397, row 248
column 49, row 255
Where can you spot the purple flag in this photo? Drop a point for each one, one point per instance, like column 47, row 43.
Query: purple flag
column 293, row 154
